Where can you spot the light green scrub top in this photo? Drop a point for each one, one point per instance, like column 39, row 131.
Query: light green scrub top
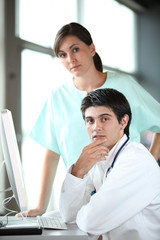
column 61, row 128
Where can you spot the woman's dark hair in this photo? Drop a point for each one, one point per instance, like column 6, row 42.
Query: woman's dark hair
column 80, row 32
column 110, row 98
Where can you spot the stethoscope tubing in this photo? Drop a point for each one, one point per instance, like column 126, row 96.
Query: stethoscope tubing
column 118, row 152
column 112, row 165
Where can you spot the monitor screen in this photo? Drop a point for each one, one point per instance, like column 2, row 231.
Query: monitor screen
column 12, row 158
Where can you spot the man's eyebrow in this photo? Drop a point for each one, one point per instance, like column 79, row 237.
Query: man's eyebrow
column 88, row 117
column 104, row 114
column 101, row 115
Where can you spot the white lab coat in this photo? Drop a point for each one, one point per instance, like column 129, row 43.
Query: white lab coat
column 126, row 205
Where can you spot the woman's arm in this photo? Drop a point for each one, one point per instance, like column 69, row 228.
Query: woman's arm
column 155, row 146
column 48, row 174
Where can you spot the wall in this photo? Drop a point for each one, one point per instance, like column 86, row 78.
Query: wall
column 148, row 25
column 8, row 79
column 2, row 56
column 2, row 85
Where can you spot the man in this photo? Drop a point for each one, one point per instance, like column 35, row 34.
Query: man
column 114, row 187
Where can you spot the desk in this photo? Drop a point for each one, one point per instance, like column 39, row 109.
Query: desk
column 72, row 233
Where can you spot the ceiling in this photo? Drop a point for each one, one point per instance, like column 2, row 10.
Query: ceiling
column 139, row 5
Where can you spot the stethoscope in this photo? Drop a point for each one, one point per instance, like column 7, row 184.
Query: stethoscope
column 112, row 165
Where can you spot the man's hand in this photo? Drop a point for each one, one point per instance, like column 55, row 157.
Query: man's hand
column 90, row 155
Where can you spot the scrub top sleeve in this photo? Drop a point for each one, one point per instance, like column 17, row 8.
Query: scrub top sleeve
column 44, row 131
column 148, row 110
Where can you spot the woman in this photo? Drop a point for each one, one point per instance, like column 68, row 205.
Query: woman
column 60, row 127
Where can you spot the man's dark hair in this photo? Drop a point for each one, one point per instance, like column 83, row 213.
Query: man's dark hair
column 110, row 98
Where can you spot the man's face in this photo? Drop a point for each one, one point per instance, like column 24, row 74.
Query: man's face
column 101, row 122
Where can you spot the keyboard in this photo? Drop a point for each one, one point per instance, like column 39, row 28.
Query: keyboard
column 52, row 222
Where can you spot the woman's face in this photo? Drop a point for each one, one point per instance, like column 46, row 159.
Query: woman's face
column 76, row 56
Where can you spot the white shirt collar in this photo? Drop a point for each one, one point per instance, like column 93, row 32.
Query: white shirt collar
column 116, row 147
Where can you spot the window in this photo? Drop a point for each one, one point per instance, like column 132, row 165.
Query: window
column 40, row 74
column 112, row 27
column 40, row 20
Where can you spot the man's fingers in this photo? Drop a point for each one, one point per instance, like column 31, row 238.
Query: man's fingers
column 95, row 149
column 95, row 145
column 97, row 142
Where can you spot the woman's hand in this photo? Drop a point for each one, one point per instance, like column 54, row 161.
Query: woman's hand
column 30, row 213
column 155, row 146
column 48, row 174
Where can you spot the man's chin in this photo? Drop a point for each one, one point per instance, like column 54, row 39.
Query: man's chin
column 98, row 138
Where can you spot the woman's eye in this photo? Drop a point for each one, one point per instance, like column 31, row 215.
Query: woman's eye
column 62, row 55
column 75, row 49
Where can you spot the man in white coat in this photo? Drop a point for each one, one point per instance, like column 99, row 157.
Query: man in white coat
column 113, row 189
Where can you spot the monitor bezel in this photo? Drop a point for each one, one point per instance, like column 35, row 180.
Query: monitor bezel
column 12, row 159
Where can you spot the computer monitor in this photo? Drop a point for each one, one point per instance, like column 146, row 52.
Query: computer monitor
column 12, row 158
